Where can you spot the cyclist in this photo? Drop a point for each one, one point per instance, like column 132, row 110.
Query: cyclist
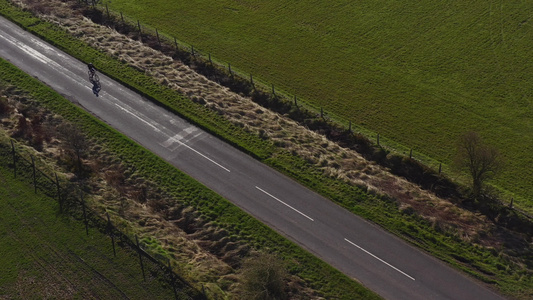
column 91, row 68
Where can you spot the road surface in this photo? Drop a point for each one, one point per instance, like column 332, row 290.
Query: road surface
column 361, row 250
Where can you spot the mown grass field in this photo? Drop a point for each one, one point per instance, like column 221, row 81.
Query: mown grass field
column 419, row 73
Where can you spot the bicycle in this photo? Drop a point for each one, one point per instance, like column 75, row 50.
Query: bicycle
column 93, row 77
column 95, row 80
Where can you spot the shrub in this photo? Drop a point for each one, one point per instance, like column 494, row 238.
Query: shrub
column 23, row 128
column 5, row 108
column 264, row 277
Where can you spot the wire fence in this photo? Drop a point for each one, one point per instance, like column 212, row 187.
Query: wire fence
column 70, row 196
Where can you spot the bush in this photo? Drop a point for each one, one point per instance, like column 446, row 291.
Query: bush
column 23, row 128
column 264, row 277
column 5, row 108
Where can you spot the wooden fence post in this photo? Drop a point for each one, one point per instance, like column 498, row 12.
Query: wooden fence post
column 14, row 158
column 440, row 167
column 172, row 280
column 378, row 139
column 411, row 154
column 110, row 230
column 192, row 50
column 140, row 256
column 59, row 194
column 295, row 101
column 84, row 213
column 158, row 40
column 176, row 44
column 273, row 90
column 107, row 9
column 350, row 126
column 122, row 17
column 140, row 31
column 229, row 69
column 34, row 174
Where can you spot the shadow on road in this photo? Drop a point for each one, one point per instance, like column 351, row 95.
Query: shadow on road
column 96, row 88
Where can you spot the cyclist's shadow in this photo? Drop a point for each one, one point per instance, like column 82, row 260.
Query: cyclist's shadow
column 96, row 88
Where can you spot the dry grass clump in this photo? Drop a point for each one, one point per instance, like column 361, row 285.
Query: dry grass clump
column 23, row 121
column 5, row 107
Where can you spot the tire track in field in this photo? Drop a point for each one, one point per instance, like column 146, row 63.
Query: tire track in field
column 100, row 276
column 61, row 286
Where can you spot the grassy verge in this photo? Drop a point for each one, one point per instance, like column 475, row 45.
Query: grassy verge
column 487, row 265
column 46, row 254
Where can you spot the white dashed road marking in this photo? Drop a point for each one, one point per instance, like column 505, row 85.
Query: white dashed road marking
column 381, row 260
column 301, row 213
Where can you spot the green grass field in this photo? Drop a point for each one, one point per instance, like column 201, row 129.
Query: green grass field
column 47, row 255
column 419, row 73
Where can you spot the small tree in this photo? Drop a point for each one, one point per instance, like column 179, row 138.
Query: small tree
column 481, row 161
column 264, row 277
column 75, row 142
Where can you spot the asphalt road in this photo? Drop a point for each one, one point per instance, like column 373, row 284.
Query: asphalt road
column 361, row 250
